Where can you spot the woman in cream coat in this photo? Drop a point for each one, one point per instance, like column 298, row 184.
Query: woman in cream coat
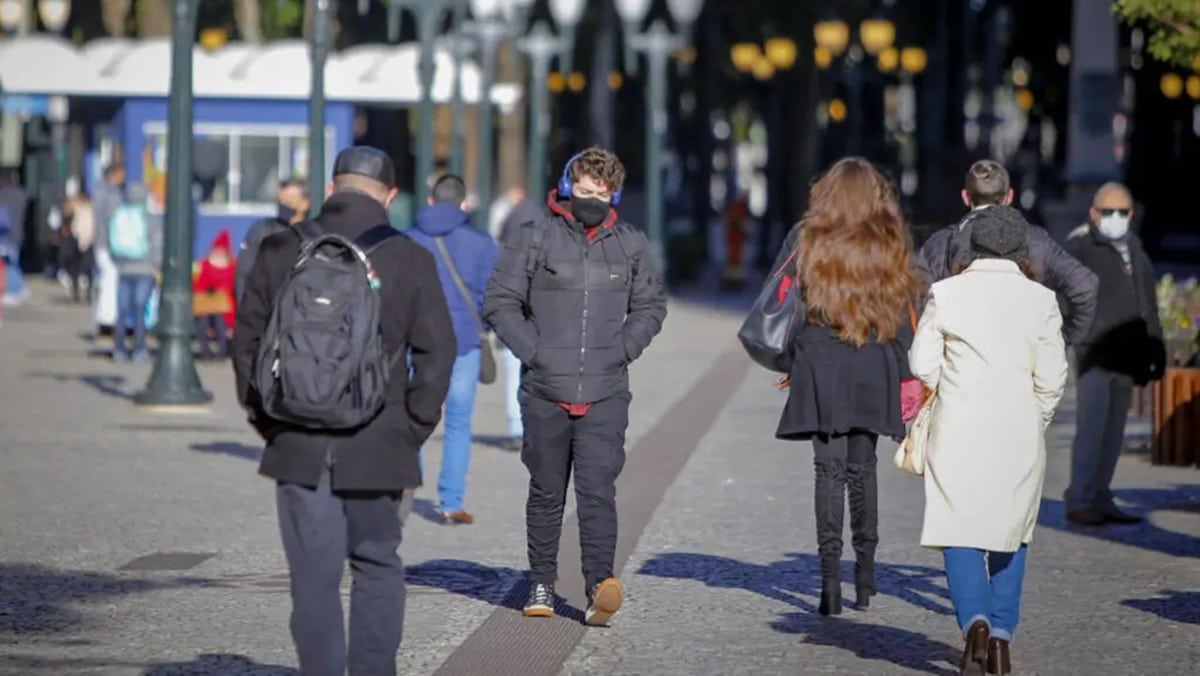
column 989, row 343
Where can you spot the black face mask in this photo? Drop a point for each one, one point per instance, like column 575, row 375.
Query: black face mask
column 589, row 211
column 286, row 213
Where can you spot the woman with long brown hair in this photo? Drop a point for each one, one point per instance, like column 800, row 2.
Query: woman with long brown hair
column 857, row 285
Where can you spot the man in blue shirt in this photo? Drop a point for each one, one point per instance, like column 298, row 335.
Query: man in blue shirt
column 465, row 257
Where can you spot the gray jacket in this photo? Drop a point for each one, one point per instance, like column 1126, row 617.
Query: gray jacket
column 1056, row 269
column 105, row 203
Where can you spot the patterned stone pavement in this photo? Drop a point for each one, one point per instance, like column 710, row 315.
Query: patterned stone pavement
column 135, row 543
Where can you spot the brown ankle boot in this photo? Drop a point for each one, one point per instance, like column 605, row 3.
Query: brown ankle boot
column 975, row 650
column 998, row 660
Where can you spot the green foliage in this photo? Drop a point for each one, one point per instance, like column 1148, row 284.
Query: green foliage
column 282, row 19
column 1174, row 27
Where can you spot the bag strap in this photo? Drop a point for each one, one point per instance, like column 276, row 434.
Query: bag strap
column 458, row 280
column 374, row 236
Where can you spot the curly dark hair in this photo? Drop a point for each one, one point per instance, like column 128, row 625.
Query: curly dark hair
column 600, row 164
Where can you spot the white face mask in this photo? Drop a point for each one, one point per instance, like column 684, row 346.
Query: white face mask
column 1115, row 226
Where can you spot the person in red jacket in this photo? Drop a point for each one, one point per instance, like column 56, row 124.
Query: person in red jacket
column 213, row 298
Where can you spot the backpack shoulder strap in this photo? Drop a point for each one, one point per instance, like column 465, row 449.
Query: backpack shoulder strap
column 537, row 236
column 374, row 236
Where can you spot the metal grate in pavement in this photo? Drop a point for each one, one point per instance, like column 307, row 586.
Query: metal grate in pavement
column 507, row 642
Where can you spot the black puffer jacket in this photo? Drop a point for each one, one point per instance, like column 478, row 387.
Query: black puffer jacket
column 1058, row 270
column 581, row 309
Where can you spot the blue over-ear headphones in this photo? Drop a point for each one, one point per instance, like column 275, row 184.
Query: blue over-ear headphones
column 566, row 185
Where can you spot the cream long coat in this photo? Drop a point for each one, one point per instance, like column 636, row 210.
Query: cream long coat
column 990, row 344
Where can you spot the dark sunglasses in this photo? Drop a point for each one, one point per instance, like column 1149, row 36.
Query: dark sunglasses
column 1110, row 212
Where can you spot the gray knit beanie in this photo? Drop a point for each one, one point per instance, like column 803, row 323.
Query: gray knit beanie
column 998, row 232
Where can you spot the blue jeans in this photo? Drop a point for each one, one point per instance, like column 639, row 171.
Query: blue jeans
column 512, row 384
column 133, row 295
column 986, row 586
column 456, row 446
column 14, row 278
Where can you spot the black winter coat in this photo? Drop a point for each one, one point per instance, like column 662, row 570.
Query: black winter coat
column 382, row 456
column 246, row 257
column 1053, row 267
column 588, row 307
column 1127, row 335
column 836, row 388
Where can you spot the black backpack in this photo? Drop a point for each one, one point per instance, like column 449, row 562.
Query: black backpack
column 322, row 363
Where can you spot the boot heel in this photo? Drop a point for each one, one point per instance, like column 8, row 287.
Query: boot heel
column 862, row 597
column 831, row 599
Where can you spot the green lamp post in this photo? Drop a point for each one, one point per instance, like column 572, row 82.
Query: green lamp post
column 490, row 29
column 428, row 13
column 174, row 381
column 318, row 53
column 657, row 43
column 542, row 46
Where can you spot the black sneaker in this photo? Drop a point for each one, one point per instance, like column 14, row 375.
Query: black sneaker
column 541, row 601
column 604, row 602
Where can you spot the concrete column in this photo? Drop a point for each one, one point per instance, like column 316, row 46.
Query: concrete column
column 1095, row 91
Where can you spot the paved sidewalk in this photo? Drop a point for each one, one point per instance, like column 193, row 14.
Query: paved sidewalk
column 136, row 543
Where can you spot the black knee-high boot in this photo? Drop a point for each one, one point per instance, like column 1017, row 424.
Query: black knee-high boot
column 829, row 503
column 864, row 525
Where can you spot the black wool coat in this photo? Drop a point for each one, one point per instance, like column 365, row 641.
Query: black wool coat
column 382, row 456
column 836, row 388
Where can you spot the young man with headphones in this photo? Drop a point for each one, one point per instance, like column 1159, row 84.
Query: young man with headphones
column 577, row 299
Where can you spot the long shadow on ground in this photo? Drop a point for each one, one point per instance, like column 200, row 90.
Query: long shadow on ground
column 1146, row 535
column 797, row 580
column 38, row 600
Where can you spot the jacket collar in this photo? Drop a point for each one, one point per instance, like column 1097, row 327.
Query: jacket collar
column 993, row 265
column 351, row 213
column 560, row 207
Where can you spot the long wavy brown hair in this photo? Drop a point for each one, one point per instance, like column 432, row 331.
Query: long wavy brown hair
column 855, row 261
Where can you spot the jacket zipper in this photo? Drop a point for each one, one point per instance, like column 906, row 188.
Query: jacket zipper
column 583, row 331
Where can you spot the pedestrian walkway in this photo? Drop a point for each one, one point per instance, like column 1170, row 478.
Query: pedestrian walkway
column 138, row 543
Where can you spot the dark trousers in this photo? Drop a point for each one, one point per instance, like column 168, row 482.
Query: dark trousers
column 846, row 464
column 210, row 329
column 1101, row 410
column 320, row 530
column 594, row 445
column 78, row 264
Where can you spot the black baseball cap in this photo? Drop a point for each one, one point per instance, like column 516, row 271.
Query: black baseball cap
column 366, row 161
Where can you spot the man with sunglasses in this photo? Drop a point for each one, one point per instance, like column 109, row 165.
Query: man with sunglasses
column 987, row 186
column 1124, row 348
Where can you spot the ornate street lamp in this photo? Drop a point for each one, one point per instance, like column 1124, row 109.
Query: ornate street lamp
column 632, row 13
column 174, row 381
column 461, row 47
column 567, row 14
column 318, row 53
column 428, row 14
column 541, row 45
column 489, row 29
column 12, row 15
column 54, row 13
column 876, row 35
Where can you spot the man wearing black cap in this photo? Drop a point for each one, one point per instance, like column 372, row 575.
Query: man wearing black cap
column 338, row 494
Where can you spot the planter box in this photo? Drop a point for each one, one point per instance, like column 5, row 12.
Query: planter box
column 1177, row 418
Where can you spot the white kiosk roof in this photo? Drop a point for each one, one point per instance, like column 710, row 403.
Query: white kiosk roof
column 119, row 67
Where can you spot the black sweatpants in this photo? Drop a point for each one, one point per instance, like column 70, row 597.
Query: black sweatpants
column 594, row 445
column 320, row 530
